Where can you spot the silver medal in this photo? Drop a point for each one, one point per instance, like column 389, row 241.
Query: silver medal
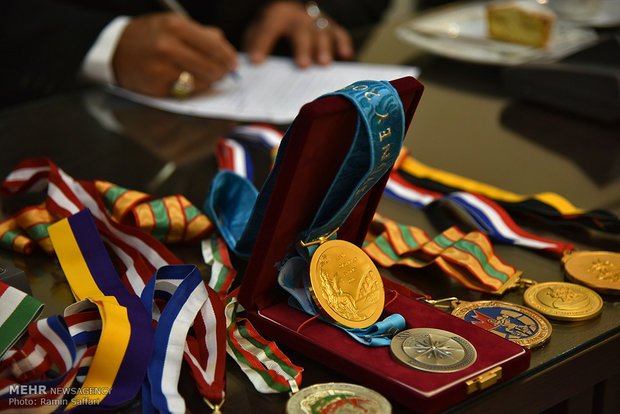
column 433, row 350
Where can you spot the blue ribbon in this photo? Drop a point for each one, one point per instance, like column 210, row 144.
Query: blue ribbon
column 375, row 148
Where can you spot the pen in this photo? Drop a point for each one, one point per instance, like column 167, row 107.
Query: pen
column 175, row 6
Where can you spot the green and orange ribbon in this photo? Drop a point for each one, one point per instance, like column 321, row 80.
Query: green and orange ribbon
column 469, row 258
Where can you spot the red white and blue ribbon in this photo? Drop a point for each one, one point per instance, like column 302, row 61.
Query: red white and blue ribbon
column 23, row 384
column 187, row 302
column 486, row 214
column 234, row 156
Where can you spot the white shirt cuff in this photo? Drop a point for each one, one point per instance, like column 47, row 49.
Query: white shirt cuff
column 97, row 65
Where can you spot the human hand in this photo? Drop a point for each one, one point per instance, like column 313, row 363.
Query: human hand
column 310, row 42
column 154, row 49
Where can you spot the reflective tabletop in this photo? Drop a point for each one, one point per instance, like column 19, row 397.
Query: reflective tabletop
column 464, row 124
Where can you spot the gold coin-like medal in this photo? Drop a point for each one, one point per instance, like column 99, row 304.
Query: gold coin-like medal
column 346, row 285
column 597, row 270
column 563, row 301
column 516, row 323
column 337, row 398
column 432, row 350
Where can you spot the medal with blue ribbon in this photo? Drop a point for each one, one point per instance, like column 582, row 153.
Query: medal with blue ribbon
column 375, row 147
column 342, row 283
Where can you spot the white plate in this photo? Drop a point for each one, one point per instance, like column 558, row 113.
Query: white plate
column 606, row 13
column 459, row 31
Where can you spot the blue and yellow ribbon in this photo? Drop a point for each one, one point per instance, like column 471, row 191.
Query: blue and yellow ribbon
column 124, row 350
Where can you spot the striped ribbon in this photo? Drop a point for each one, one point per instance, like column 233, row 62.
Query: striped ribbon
column 233, row 156
column 265, row 136
column 269, row 370
column 136, row 253
column 170, row 219
column 265, row 365
column 23, row 384
column 17, row 310
column 27, row 228
column 124, row 347
column 215, row 254
column 185, row 302
column 467, row 257
column 487, row 215
column 549, row 206
column 262, row 361
column 12, row 237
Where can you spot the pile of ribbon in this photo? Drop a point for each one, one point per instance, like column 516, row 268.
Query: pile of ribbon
column 139, row 311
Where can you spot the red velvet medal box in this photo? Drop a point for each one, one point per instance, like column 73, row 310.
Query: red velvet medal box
column 321, row 136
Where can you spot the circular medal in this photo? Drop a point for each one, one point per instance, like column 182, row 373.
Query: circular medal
column 563, row 301
column 597, row 270
column 516, row 323
column 337, row 398
column 346, row 285
column 432, row 350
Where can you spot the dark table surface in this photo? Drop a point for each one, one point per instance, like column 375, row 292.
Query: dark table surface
column 465, row 124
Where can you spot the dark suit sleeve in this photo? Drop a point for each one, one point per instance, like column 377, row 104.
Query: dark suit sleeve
column 42, row 45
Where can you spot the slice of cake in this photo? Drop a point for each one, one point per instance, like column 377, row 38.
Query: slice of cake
column 517, row 22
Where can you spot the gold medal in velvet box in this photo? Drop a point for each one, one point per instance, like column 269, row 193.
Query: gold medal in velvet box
column 345, row 284
column 597, row 270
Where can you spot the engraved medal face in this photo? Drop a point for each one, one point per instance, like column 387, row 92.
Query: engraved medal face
column 563, row 301
column 433, row 350
column 597, row 270
column 516, row 323
column 346, row 284
column 337, row 398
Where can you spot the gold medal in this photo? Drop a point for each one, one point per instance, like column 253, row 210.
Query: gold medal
column 432, row 350
column 346, row 285
column 597, row 270
column 334, row 397
column 516, row 323
column 563, row 301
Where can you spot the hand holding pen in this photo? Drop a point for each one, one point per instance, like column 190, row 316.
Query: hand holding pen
column 168, row 53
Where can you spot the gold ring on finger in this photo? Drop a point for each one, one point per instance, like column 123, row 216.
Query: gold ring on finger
column 184, row 85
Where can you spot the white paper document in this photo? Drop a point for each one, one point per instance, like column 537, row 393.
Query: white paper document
column 273, row 91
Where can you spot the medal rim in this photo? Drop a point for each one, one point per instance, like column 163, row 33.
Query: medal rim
column 538, row 339
column 293, row 405
column 468, row 347
column 326, row 310
column 530, row 294
column 576, row 276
